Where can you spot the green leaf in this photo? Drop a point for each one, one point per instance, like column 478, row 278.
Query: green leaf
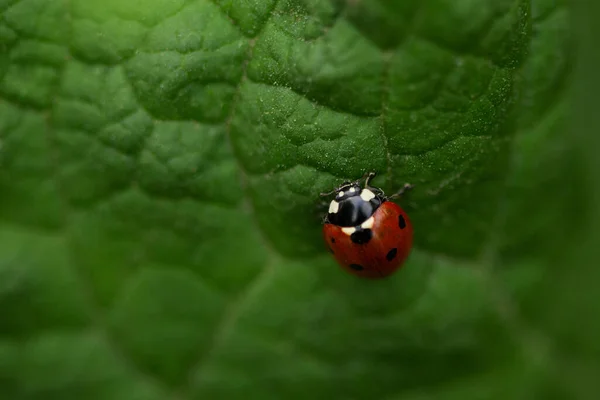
column 160, row 164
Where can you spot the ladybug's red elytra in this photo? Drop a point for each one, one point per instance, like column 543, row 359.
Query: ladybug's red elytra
column 369, row 235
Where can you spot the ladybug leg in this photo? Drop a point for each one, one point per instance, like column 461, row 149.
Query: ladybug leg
column 369, row 176
column 366, row 176
column 375, row 190
column 399, row 193
column 321, row 211
column 323, row 205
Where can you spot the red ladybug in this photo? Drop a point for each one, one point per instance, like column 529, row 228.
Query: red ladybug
column 368, row 235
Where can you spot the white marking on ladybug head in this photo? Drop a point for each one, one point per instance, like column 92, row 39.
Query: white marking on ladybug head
column 349, row 231
column 368, row 224
column 334, row 206
column 352, row 189
column 340, row 193
column 367, row 195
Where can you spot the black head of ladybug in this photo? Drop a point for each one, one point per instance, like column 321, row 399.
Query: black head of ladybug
column 354, row 204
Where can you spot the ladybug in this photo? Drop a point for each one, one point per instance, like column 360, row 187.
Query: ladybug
column 369, row 235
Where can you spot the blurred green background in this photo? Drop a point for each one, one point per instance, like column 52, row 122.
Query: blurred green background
column 160, row 164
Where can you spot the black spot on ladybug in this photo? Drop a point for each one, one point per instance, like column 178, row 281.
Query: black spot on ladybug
column 332, row 240
column 356, row 267
column 391, row 254
column 361, row 236
column 401, row 222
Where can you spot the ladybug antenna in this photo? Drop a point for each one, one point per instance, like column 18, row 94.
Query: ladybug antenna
column 367, row 176
column 337, row 189
column 327, row 193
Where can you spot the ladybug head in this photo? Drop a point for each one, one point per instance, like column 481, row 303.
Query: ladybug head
column 347, row 190
column 353, row 204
